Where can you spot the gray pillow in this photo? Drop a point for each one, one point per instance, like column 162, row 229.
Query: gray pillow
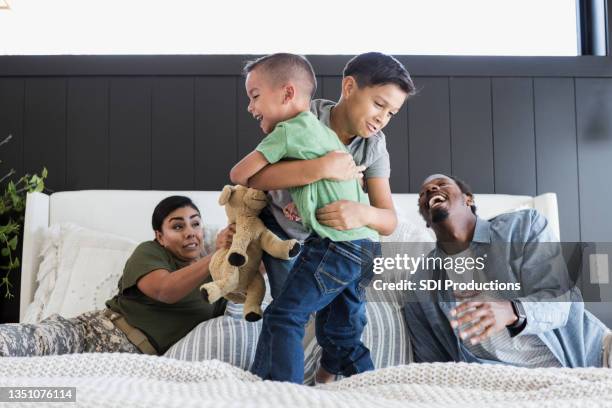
column 232, row 339
column 228, row 338
column 386, row 336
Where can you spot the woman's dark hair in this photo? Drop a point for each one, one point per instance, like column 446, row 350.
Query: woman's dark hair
column 465, row 189
column 375, row 68
column 166, row 206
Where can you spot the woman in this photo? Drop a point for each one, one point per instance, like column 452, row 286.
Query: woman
column 158, row 301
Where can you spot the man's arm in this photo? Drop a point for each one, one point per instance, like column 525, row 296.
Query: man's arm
column 247, row 167
column 334, row 165
column 379, row 215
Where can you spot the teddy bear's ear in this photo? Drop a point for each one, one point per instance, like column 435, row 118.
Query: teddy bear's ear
column 225, row 194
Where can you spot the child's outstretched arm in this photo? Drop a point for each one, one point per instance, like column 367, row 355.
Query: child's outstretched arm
column 334, row 165
column 247, row 167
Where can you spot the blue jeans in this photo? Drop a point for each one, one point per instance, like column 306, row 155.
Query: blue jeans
column 276, row 269
column 328, row 278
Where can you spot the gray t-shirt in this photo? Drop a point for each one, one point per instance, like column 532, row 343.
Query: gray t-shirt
column 371, row 153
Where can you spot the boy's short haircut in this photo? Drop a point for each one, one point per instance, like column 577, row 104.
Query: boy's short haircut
column 284, row 67
column 375, row 68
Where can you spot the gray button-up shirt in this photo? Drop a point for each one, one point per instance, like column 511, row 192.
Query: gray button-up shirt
column 555, row 311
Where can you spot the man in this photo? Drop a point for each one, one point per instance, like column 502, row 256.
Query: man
column 459, row 325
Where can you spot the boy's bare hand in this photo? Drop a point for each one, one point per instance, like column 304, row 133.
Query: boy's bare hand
column 340, row 166
column 291, row 212
column 225, row 236
column 341, row 215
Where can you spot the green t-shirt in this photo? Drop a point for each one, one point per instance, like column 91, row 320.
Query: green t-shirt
column 163, row 323
column 304, row 137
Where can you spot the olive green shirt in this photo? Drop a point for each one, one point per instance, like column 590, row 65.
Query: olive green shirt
column 164, row 324
column 304, row 137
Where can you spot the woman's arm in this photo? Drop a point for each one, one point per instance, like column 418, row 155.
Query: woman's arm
column 379, row 215
column 170, row 287
column 336, row 165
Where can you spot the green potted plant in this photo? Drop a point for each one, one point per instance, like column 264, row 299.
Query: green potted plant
column 12, row 210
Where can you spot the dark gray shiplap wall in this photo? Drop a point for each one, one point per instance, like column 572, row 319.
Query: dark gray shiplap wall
column 511, row 135
column 503, row 131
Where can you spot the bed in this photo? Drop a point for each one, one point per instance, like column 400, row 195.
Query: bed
column 199, row 374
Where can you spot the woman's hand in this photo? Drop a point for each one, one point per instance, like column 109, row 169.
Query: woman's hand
column 340, row 166
column 225, row 237
column 484, row 319
column 342, row 215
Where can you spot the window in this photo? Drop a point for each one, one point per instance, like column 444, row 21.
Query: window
column 418, row 27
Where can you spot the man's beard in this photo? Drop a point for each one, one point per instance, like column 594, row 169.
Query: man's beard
column 439, row 215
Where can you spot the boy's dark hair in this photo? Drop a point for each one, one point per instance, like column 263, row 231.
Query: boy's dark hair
column 375, row 68
column 283, row 67
column 465, row 189
column 166, row 206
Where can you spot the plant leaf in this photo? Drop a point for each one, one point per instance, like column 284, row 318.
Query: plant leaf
column 13, row 243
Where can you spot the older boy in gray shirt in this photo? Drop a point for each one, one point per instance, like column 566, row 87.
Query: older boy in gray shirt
column 372, row 85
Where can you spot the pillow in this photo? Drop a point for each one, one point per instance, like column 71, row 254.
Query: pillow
column 46, row 276
column 386, row 336
column 80, row 270
column 233, row 340
column 228, row 338
column 409, row 232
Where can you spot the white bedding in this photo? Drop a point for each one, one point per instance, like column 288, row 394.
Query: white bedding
column 125, row 380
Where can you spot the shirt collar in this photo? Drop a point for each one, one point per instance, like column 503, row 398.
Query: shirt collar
column 482, row 231
column 482, row 234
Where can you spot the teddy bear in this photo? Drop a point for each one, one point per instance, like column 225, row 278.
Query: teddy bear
column 235, row 271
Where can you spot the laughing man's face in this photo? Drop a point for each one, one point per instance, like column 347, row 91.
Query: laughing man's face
column 437, row 198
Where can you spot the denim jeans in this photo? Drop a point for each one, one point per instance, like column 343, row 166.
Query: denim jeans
column 276, row 269
column 328, row 278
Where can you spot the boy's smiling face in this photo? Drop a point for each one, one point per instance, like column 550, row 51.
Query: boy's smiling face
column 370, row 108
column 266, row 101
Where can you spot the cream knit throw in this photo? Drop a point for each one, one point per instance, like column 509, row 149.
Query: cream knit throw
column 127, row 380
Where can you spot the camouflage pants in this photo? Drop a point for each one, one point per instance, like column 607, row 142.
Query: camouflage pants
column 87, row 333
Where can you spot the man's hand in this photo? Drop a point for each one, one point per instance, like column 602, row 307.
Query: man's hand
column 483, row 319
column 225, row 236
column 340, row 166
column 342, row 215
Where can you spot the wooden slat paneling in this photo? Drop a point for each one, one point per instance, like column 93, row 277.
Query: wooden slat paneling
column 557, row 167
column 429, row 128
column 130, row 133
column 594, row 125
column 87, row 134
column 11, row 123
column 45, row 129
column 173, row 150
column 472, row 133
column 513, row 136
column 216, row 138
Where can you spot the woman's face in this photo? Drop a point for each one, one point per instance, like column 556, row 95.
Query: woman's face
column 182, row 234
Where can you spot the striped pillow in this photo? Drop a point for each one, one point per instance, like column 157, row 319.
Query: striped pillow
column 386, row 336
column 228, row 338
column 232, row 339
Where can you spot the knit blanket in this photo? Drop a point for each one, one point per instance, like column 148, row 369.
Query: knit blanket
column 128, row 380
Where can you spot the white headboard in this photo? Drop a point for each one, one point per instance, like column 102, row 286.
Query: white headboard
column 128, row 213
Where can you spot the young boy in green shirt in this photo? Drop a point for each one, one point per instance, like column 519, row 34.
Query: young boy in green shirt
column 335, row 265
